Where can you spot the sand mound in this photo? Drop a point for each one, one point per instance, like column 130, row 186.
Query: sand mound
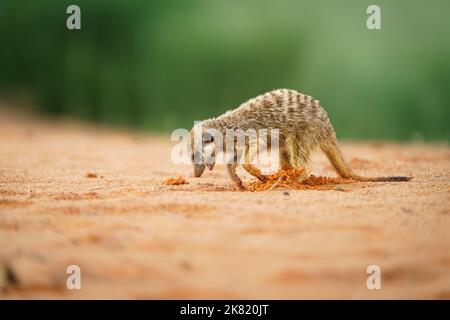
column 288, row 178
column 175, row 181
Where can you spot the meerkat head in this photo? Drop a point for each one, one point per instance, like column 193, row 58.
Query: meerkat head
column 203, row 147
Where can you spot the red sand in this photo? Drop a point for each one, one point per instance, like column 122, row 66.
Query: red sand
column 134, row 237
column 287, row 179
column 175, row 181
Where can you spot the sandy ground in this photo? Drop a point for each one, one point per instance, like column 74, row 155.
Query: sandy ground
column 136, row 238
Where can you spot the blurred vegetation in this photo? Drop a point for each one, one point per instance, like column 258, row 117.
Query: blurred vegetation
column 159, row 65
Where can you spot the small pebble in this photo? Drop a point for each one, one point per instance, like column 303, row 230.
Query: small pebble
column 186, row 265
column 91, row 175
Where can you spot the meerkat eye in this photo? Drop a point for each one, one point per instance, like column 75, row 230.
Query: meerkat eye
column 207, row 138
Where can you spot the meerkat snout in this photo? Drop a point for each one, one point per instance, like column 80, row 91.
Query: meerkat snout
column 203, row 153
column 200, row 166
column 198, row 170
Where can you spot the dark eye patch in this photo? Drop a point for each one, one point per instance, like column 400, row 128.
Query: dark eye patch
column 207, row 137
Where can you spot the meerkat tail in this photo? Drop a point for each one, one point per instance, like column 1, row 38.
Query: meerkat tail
column 333, row 154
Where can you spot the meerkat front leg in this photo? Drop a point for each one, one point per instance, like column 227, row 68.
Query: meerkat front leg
column 250, row 168
column 231, row 167
column 284, row 160
column 299, row 152
column 232, row 171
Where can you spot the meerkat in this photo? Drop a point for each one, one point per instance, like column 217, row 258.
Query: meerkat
column 302, row 124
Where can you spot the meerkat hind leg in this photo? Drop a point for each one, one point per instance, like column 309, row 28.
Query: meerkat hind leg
column 285, row 161
column 299, row 153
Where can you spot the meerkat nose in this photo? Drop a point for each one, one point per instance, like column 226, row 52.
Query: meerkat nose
column 198, row 170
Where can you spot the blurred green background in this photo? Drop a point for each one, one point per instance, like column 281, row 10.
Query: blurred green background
column 160, row 65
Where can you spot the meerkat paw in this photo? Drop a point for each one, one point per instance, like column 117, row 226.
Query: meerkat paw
column 240, row 187
column 255, row 172
column 303, row 175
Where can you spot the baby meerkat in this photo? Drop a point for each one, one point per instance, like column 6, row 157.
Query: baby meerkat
column 301, row 123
